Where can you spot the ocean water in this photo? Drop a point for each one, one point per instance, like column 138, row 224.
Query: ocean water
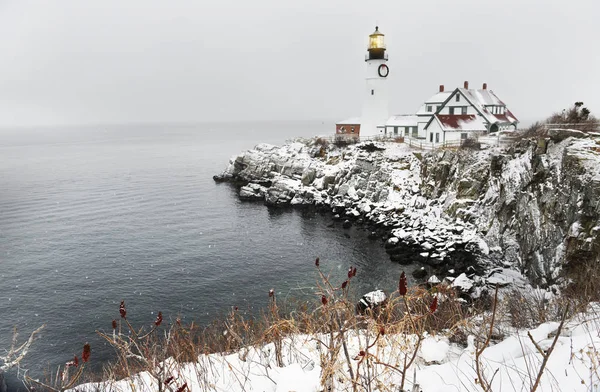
column 90, row 216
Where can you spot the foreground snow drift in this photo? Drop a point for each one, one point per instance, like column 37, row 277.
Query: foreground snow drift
column 511, row 364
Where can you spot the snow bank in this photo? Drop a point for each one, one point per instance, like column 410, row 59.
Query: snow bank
column 511, row 364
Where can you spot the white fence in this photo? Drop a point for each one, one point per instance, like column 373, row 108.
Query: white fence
column 576, row 126
column 423, row 144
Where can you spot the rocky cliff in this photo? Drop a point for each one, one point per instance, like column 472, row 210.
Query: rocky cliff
column 532, row 207
column 536, row 203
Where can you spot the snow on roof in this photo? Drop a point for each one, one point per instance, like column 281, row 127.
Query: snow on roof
column 487, row 97
column 407, row 120
column 439, row 97
column 463, row 122
column 349, row 121
column 435, row 101
column 480, row 99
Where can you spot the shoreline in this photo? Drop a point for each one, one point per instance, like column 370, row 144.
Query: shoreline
column 303, row 180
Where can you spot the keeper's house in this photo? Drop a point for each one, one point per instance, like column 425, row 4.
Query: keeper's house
column 454, row 116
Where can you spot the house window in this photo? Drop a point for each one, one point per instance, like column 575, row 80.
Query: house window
column 437, row 108
column 437, row 137
column 451, row 110
column 372, row 92
column 415, row 133
column 406, row 130
column 464, row 110
column 463, row 136
column 429, row 108
column 395, row 130
column 457, row 97
column 352, row 129
column 431, row 137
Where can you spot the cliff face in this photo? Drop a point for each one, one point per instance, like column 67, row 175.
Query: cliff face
column 530, row 207
column 537, row 204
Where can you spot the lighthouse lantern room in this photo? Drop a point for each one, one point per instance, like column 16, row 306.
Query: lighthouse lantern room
column 375, row 105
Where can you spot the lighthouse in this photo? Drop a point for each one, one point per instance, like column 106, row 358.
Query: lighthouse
column 375, row 105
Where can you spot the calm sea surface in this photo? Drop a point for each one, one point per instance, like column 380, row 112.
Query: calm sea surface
column 93, row 215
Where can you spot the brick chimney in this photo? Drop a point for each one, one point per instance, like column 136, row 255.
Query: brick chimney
column 485, row 86
column 441, row 88
column 466, row 84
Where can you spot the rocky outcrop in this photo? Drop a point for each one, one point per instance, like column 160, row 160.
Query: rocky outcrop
column 377, row 186
column 533, row 207
column 538, row 209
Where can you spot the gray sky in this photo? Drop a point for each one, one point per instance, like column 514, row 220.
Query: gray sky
column 108, row 61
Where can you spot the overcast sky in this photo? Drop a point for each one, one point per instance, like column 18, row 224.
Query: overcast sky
column 105, row 61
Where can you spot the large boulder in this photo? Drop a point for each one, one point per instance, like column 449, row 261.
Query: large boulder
column 308, row 176
column 373, row 300
column 253, row 192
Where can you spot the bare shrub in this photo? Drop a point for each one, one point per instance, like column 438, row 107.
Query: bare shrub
column 576, row 117
column 470, row 144
column 343, row 141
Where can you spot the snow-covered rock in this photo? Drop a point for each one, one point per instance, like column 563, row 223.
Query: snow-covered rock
column 534, row 209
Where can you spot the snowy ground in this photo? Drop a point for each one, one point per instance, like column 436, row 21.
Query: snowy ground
column 511, row 364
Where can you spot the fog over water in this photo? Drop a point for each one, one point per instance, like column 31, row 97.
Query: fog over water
column 98, row 61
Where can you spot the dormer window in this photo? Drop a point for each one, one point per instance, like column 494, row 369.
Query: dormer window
column 429, row 108
column 457, row 97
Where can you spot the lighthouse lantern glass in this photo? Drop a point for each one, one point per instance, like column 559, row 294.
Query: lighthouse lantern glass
column 376, row 41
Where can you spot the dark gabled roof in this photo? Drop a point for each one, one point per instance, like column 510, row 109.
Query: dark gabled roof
column 480, row 99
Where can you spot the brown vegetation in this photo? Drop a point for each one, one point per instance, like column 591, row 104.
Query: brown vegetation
column 399, row 325
column 576, row 117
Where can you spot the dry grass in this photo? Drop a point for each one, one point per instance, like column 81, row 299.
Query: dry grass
column 393, row 330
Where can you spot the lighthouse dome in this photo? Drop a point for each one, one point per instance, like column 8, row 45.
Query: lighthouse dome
column 376, row 45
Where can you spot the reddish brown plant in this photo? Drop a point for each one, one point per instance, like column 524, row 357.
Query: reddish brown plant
column 434, row 305
column 402, row 286
column 87, row 351
column 122, row 310
column 74, row 362
column 182, row 388
column 159, row 319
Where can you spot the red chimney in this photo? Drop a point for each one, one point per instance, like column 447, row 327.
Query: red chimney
column 466, row 84
column 441, row 88
column 485, row 86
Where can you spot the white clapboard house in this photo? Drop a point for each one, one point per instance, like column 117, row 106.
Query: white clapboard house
column 446, row 118
column 452, row 116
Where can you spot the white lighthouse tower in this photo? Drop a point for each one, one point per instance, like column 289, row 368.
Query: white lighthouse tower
column 375, row 106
